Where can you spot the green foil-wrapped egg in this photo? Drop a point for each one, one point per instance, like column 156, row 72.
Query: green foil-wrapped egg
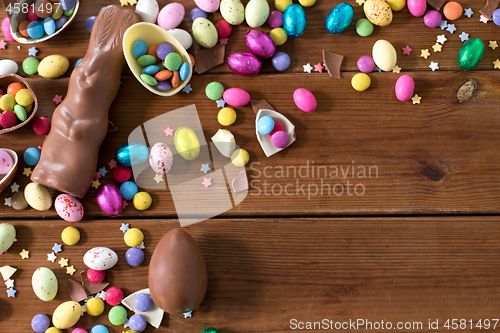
column 471, row 54
column 187, row 144
column 209, row 330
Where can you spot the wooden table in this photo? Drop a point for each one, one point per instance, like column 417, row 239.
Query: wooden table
column 419, row 243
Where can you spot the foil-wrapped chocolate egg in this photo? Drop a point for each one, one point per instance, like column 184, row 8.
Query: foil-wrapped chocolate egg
column 109, row 199
column 294, row 20
column 260, row 43
column 245, row 64
column 132, row 154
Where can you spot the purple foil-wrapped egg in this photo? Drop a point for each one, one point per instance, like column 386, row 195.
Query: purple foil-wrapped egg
column 245, row 64
column 260, row 43
column 109, row 199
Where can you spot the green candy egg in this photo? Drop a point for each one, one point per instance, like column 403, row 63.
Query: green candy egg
column 146, row 60
column 187, row 144
column 173, row 61
column 117, row 315
column 364, row 27
column 148, row 79
column 7, row 236
column 214, row 90
column 470, row 54
column 69, row 12
column 30, row 65
column 20, row 112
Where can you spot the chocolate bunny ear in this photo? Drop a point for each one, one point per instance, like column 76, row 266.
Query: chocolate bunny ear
column 111, row 27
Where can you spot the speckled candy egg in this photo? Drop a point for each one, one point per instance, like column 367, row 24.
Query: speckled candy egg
column 471, row 54
column 171, row 16
column 304, row 100
column 148, row 10
column 161, row 158
column 66, row 315
column 53, row 66
column 236, row 97
column 404, row 87
column 100, row 258
column 256, row 13
column 339, row 18
column 37, row 196
column 384, row 55
column 7, row 236
column 294, row 20
column 208, row 6
column 378, row 12
column 204, row 32
column 417, row 7
column 44, row 284
column 244, row 63
column 68, row 208
column 232, row 11
column 260, row 43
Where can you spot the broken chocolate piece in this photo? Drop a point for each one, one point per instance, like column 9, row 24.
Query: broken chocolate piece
column 332, row 61
column 209, row 58
column 92, row 288
column 240, row 183
column 260, row 104
column 489, row 8
column 76, row 291
column 436, row 4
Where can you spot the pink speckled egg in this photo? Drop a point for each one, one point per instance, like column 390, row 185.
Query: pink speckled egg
column 405, row 87
column 100, row 258
column 171, row 16
column 236, row 97
column 260, row 43
column 68, row 208
column 245, row 64
column 161, row 158
column 304, row 100
column 6, row 29
column 6, row 162
column 417, row 7
column 208, row 6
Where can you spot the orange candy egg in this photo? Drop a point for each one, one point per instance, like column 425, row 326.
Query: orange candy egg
column 23, row 28
column 152, row 51
column 14, row 87
column 163, row 75
column 175, row 79
column 452, row 10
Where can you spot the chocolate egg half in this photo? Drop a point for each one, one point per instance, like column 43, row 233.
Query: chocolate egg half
column 177, row 273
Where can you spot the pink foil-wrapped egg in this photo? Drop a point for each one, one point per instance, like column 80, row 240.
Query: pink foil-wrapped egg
column 109, row 199
column 260, row 43
column 171, row 16
column 6, row 29
column 236, row 97
column 68, row 208
column 161, row 158
column 245, row 64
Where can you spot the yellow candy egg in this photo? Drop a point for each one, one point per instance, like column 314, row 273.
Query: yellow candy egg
column 53, row 330
column 360, row 82
column 66, row 315
column 37, row 196
column 186, row 143
column 307, row 3
column 57, row 12
column 240, row 157
column 142, row 201
column 282, row 4
column 70, row 235
column 53, row 66
column 396, row 5
column 24, row 98
column 378, row 12
column 278, row 36
column 226, row 116
column 7, row 102
column 95, row 306
column 134, row 237
column 28, row 108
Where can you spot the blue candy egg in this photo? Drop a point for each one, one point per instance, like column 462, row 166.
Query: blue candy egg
column 135, row 257
column 281, row 61
column 339, row 18
column 163, row 85
column 99, row 329
column 128, row 190
column 197, row 12
column 294, row 20
column 143, row 302
column 35, row 30
column 132, row 154
column 265, row 125
column 151, row 70
column 78, row 62
column 184, row 71
column 61, row 21
column 139, row 49
column 90, row 23
column 32, row 156
column 49, row 25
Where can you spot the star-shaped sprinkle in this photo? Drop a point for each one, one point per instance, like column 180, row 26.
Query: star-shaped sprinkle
column 51, row 257
column 57, row 99
column 27, row 172
column 3, row 44
column 318, row 68
column 32, row 51
column 70, row 270
column 464, row 37
column 9, row 283
column 496, row 64
column 132, row 2
column 360, row 2
column 57, row 248
column 169, row 132
column 96, row 184
column 425, row 53
column 112, row 164
column 483, row 19
column 220, row 103
column 434, row 66
column 125, row 227
column 406, row 50
column 223, row 41
column 63, row 262
column 103, row 171
column 19, row 47
column 101, row 295
column 437, row 47
column 158, row 178
column 187, row 88
column 468, row 12
column 443, row 25
column 141, row 246
column 493, row 44
column 126, row 323
column 123, row 2
column 188, row 314
column 207, row 182
column 15, row 188
column 451, row 28
column 307, row 68
column 124, row 204
column 416, row 99
column 11, row 292
column 97, row 175
column 396, row 69
column 84, row 308
column 205, row 168
column 24, row 254
column 441, row 39
column 377, row 69
column 8, row 201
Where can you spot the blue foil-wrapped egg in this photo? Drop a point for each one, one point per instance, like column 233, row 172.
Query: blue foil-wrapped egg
column 132, row 154
column 339, row 18
column 294, row 20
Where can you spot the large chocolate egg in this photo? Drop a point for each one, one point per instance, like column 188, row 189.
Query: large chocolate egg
column 177, row 273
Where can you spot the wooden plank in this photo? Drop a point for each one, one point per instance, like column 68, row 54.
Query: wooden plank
column 264, row 273
column 438, row 157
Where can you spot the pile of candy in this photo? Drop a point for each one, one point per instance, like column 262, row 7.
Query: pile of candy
column 15, row 104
